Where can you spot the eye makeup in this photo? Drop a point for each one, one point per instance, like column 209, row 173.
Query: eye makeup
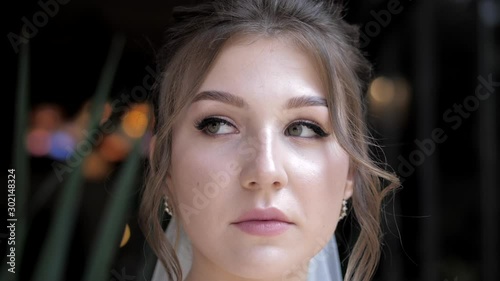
column 213, row 125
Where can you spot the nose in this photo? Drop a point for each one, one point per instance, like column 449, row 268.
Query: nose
column 265, row 168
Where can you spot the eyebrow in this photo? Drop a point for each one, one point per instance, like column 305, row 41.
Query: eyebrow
column 228, row 98
column 221, row 97
column 303, row 101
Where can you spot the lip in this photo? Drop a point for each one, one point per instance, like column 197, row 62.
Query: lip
column 263, row 222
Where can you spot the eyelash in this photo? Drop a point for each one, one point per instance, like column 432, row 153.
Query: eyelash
column 313, row 126
column 202, row 124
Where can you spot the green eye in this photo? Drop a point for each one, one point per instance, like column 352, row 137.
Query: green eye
column 213, row 127
column 294, row 130
column 305, row 129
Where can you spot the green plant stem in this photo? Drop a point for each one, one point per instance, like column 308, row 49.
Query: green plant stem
column 20, row 160
column 113, row 222
column 52, row 260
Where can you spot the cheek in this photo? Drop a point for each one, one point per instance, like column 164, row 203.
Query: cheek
column 200, row 178
column 321, row 182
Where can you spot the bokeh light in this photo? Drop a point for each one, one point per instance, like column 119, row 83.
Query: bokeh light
column 114, row 147
column 389, row 100
column 95, row 167
column 382, row 91
column 46, row 116
column 389, row 94
column 62, row 144
column 135, row 121
column 38, row 142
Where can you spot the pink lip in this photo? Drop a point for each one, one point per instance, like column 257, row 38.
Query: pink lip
column 263, row 222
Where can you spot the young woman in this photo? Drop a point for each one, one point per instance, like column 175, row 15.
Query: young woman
column 260, row 142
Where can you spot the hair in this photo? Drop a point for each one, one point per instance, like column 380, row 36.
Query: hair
column 193, row 43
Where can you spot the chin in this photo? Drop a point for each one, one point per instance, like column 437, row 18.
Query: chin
column 264, row 264
column 267, row 271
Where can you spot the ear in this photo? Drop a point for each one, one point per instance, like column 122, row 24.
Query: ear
column 349, row 186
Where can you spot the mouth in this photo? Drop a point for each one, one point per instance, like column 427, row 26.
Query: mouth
column 263, row 222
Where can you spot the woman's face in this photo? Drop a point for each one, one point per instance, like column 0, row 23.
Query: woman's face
column 257, row 172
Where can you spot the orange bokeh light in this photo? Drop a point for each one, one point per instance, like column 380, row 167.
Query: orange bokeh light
column 47, row 117
column 114, row 148
column 135, row 122
column 95, row 167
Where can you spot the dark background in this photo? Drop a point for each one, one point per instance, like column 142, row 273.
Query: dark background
column 441, row 225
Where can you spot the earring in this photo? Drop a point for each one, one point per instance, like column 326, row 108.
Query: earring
column 344, row 209
column 167, row 209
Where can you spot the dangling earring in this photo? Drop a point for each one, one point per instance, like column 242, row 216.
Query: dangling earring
column 343, row 214
column 167, row 209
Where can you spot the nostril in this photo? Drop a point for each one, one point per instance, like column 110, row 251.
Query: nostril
column 277, row 184
column 252, row 184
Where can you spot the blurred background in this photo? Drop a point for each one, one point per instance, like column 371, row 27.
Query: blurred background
column 432, row 106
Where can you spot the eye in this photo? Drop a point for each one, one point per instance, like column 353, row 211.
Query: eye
column 215, row 126
column 305, row 129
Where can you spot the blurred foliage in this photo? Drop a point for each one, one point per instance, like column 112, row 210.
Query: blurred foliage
column 54, row 256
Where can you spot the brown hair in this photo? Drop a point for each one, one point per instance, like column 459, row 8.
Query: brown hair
column 194, row 42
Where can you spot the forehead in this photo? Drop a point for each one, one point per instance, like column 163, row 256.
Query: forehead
column 269, row 64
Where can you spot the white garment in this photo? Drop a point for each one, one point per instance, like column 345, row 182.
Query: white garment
column 325, row 266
